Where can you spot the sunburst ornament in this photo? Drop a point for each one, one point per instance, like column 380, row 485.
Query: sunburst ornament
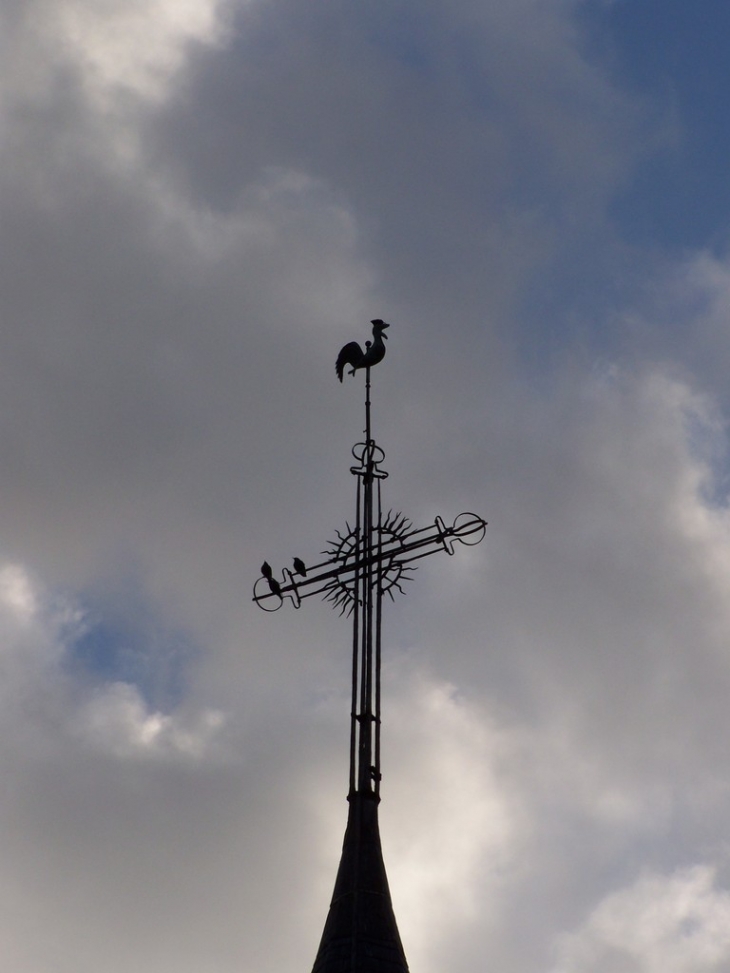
column 347, row 551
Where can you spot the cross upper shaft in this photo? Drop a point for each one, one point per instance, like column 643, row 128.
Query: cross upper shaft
column 389, row 552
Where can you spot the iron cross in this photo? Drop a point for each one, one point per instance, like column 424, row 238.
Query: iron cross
column 369, row 559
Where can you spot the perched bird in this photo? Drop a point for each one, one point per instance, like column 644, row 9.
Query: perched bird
column 266, row 570
column 300, row 567
column 274, row 585
column 353, row 355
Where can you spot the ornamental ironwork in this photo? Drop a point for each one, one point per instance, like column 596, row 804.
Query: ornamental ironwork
column 372, row 557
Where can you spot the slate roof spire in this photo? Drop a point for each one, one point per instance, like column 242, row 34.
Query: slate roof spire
column 361, row 934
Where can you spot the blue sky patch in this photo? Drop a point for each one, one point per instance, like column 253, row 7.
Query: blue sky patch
column 674, row 54
column 124, row 638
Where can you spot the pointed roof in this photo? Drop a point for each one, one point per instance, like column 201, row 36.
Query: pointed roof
column 360, row 934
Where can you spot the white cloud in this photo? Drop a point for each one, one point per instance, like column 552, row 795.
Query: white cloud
column 138, row 46
column 678, row 923
column 454, row 818
column 117, row 47
column 91, row 70
column 17, row 592
column 116, row 720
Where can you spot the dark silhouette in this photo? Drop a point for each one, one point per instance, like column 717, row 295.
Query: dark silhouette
column 367, row 561
column 266, row 570
column 353, row 355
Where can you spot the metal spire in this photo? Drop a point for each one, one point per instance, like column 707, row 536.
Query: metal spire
column 372, row 558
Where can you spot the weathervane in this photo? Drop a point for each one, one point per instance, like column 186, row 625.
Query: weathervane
column 372, row 558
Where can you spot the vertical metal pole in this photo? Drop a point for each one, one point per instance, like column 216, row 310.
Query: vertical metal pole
column 378, row 631
column 355, row 642
column 366, row 688
column 367, row 405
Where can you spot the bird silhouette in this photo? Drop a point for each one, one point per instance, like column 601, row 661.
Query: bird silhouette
column 300, row 567
column 353, row 355
column 274, row 585
column 266, row 571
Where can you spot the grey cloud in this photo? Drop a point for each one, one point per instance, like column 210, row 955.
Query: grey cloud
column 178, row 274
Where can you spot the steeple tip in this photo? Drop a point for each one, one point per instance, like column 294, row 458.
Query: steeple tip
column 361, row 934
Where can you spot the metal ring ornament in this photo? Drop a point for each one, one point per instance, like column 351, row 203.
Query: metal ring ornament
column 469, row 529
column 369, row 456
column 262, row 598
column 368, row 452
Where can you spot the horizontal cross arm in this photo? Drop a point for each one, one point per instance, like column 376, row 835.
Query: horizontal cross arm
column 467, row 528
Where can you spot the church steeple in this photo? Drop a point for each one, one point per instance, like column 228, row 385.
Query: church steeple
column 367, row 561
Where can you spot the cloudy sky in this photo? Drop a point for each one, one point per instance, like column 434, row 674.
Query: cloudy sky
column 200, row 202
